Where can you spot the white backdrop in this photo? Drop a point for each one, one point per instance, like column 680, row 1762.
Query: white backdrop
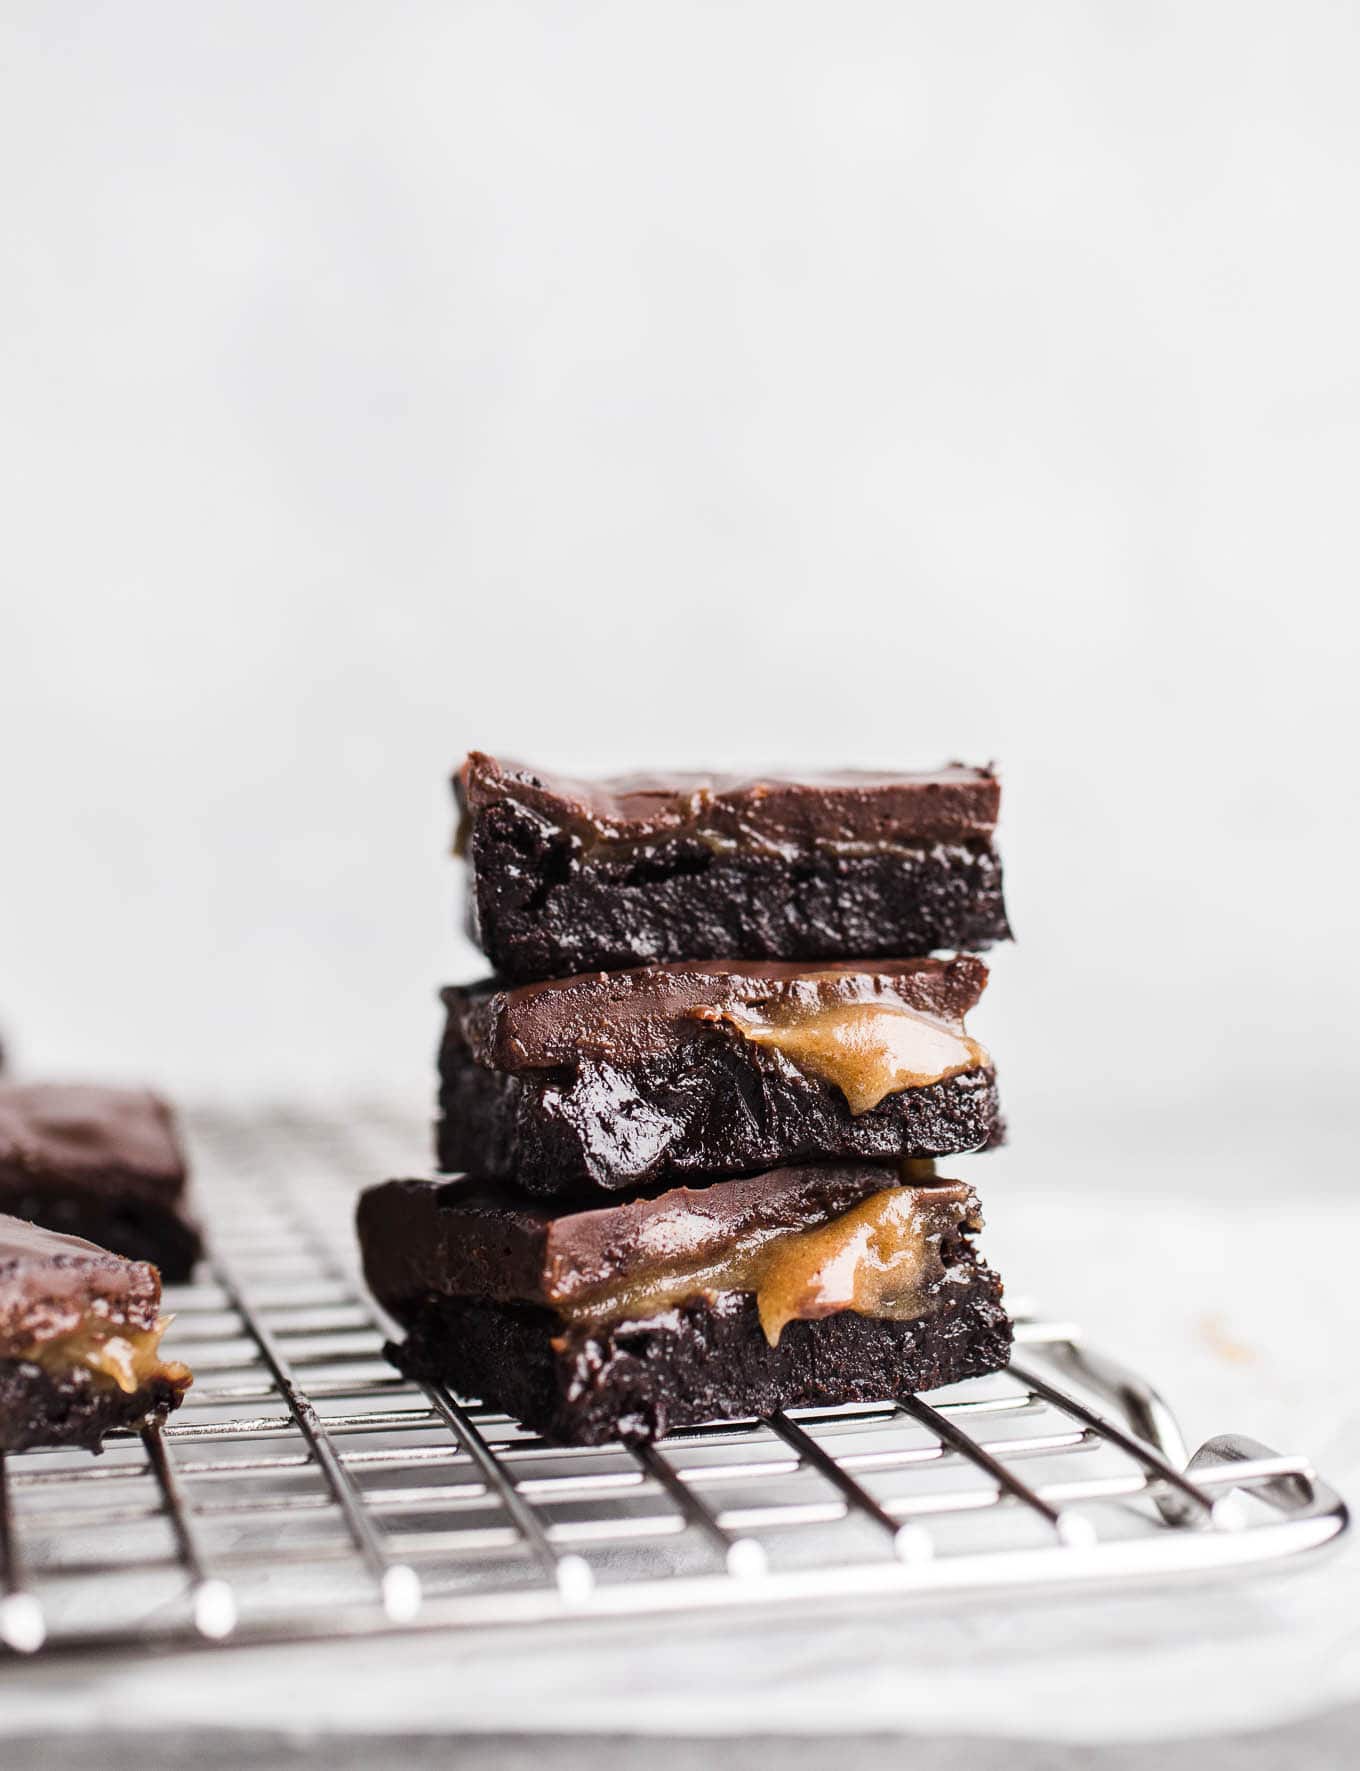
column 624, row 383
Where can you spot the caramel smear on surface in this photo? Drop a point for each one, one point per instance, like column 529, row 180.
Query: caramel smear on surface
column 1222, row 1342
column 881, row 1258
column 128, row 1358
column 868, row 1050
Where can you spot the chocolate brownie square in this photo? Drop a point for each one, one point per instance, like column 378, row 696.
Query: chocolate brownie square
column 620, row 1080
column 815, row 1285
column 103, row 1163
column 80, row 1332
column 571, row 876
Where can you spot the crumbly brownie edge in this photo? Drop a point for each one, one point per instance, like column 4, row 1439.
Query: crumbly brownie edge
column 704, row 1361
column 739, row 1111
column 37, row 1409
column 139, row 1227
column 538, row 912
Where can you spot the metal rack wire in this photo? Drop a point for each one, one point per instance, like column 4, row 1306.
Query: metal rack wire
column 307, row 1490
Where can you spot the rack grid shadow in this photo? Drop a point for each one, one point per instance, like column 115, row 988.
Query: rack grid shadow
column 307, row 1490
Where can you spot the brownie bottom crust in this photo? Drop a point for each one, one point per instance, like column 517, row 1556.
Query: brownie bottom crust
column 37, row 1409
column 706, row 1360
column 140, row 1229
column 542, row 912
column 732, row 1110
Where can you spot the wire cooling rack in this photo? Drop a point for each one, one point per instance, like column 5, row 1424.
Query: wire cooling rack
column 307, row 1490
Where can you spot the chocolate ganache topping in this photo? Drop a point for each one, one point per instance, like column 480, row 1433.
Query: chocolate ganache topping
column 845, row 812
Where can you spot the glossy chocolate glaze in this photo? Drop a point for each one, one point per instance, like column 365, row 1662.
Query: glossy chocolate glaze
column 625, row 1017
column 50, row 1285
column 845, row 812
column 104, row 1138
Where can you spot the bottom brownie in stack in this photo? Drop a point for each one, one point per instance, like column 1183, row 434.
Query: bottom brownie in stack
column 817, row 1285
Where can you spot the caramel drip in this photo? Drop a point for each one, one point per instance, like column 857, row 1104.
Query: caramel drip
column 128, row 1358
column 868, row 1050
column 881, row 1258
column 876, row 1260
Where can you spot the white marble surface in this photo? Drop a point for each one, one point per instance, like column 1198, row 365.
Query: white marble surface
column 1212, row 1273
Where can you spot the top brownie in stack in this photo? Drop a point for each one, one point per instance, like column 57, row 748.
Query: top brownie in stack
column 573, row 876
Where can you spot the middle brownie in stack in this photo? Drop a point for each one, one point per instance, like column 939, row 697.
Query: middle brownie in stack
column 820, row 1260
column 620, row 1080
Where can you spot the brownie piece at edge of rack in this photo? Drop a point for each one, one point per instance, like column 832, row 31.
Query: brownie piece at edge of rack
column 102, row 1163
column 80, row 1332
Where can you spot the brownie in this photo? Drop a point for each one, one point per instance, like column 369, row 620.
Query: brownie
column 620, row 1080
column 819, row 1284
column 80, row 1330
column 571, row 876
column 103, row 1163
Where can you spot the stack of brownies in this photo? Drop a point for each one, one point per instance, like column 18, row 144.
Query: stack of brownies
column 695, row 1186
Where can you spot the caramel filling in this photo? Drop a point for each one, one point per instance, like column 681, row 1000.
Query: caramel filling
column 126, row 1357
column 881, row 1258
column 868, row 1050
